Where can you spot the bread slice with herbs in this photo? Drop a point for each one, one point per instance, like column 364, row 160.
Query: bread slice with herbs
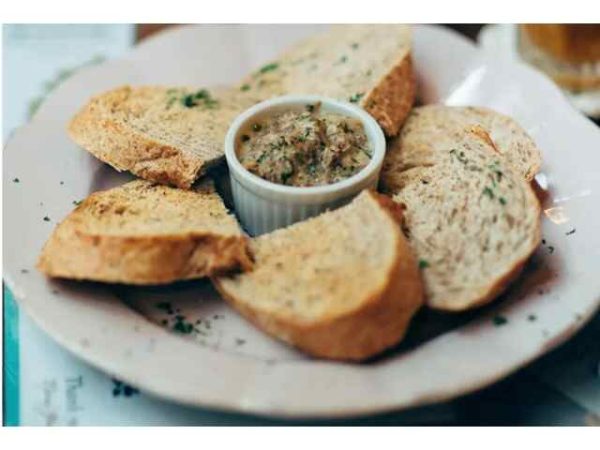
column 433, row 126
column 173, row 135
column 146, row 233
column 369, row 65
column 167, row 135
column 471, row 217
column 343, row 285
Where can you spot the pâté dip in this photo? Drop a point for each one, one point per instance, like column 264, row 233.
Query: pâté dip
column 304, row 147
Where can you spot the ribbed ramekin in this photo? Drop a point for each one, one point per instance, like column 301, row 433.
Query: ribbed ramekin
column 263, row 206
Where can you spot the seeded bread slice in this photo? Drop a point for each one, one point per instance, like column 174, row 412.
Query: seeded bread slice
column 432, row 127
column 343, row 285
column 167, row 135
column 472, row 219
column 173, row 135
column 369, row 65
column 146, row 233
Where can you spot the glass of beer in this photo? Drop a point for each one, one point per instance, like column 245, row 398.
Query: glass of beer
column 568, row 53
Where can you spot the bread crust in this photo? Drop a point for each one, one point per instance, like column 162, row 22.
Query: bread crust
column 151, row 260
column 392, row 99
column 378, row 323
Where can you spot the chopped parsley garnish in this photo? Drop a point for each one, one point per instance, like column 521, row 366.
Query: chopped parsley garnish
column 189, row 101
column 488, row 191
column 569, row 233
column 269, row 67
column 343, row 59
column 46, row 219
column 354, row 46
column 77, row 202
column 532, row 317
column 239, row 341
column 502, row 200
column 460, row 156
column 499, row 321
column 16, row 180
column 245, row 87
column 183, row 327
column 356, row 97
column 199, row 98
column 423, row 264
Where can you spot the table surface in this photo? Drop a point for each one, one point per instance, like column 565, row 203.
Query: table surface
column 45, row 385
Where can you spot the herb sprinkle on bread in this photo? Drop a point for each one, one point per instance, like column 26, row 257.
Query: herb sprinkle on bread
column 471, row 217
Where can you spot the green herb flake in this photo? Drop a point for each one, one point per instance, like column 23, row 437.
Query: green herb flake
column 502, row 200
column 269, row 67
column 245, row 87
column 488, row 191
column 16, row 180
column 46, row 219
column 498, row 321
column 343, row 59
column 356, row 97
column 189, row 101
column 77, row 202
column 532, row 317
column 423, row 264
column 354, row 45
column 239, row 341
column 202, row 94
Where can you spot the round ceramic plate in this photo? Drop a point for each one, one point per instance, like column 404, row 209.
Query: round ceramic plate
column 223, row 362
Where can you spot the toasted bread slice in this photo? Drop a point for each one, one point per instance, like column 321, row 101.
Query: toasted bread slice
column 471, row 217
column 167, row 135
column 369, row 65
column 343, row 285
column 431, row 127
column 173, row 135
column 146, row 233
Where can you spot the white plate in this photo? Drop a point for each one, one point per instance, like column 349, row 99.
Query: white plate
column 228, row 364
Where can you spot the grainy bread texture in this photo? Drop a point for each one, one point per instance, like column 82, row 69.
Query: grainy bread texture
column 172, row 135
column 471, row 217
column 168, row 135
column 369, row 65
column 146, row 233
column 432, row 127
column 343, row 285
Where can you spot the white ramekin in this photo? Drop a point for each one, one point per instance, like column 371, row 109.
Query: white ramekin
column 263, row 206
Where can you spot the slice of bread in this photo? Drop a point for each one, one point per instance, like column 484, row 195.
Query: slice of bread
column 172, row 135
column 343, row 285
column 471, row 217
column 146, row 233
column 167, row 135
column 369, row 65
column 430, row 127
